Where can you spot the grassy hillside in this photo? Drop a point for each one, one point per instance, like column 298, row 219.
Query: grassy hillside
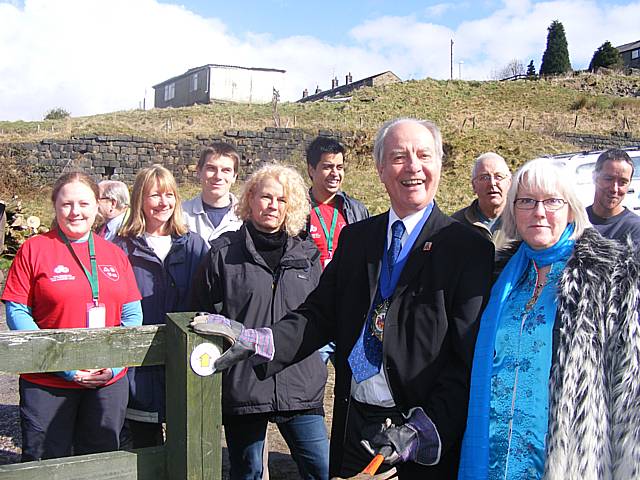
column 475, row 117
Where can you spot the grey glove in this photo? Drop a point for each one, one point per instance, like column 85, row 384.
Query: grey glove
column 417, row 440
column 244, row 342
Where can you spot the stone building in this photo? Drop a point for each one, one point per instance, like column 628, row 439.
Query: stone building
column 349, row 86
column 630, row 53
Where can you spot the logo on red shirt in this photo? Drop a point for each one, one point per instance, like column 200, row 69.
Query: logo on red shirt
column 110, row 272
column 61, row 273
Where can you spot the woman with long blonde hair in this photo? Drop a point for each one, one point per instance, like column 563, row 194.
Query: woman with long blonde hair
column 164, row 256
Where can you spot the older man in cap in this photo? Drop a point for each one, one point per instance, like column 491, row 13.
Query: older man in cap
column 401, row 298
column 490, row 179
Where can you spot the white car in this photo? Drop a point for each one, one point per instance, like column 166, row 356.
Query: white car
column 580, row 166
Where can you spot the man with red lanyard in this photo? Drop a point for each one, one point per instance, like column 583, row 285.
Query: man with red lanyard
column 332, row 209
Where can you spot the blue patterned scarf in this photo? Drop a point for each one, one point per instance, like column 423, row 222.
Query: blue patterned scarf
column 474, row 458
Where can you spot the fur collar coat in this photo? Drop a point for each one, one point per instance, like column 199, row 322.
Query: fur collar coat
column 594, row 384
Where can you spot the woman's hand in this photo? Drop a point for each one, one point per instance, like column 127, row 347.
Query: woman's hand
column 93, row 378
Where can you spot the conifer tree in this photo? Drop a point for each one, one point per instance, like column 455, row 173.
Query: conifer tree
column 606, row 56
column 531, row 70
column 555, row 59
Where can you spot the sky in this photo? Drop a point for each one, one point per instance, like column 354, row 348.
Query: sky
column 99, row 56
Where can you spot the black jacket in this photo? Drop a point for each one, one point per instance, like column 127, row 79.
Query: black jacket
column 236, row 282
column 430, row 329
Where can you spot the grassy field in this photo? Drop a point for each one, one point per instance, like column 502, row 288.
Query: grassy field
column 515, row 119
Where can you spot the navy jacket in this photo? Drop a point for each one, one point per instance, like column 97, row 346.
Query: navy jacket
column 164, row 287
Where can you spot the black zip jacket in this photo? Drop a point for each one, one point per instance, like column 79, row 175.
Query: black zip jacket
column 235, row 281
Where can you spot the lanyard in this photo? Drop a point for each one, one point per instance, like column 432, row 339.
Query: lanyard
column 93, row 276
column 330, row 233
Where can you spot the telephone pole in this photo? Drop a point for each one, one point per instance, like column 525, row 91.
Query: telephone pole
column 451, row 76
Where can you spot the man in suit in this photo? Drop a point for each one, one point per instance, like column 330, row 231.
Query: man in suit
column 401, row 298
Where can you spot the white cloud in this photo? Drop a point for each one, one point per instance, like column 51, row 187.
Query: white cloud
column 438, row 9
column 93, row 56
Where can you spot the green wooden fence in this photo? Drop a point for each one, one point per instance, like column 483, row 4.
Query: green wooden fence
column 193, row 448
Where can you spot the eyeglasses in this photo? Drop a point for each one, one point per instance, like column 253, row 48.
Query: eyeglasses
column 487, row 177
column 549, row 204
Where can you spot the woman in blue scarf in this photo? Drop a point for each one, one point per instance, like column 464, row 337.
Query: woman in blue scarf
column 555, row 379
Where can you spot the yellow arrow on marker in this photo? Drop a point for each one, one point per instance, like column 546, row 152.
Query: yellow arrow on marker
column 205, row 359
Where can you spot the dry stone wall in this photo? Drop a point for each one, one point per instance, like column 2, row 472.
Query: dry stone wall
column 122, row 156
column 599, row 142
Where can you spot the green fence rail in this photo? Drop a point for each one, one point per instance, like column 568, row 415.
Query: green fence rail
column 193, row 448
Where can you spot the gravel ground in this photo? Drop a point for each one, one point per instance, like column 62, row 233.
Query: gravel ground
column 10, row 441
column 281, row 465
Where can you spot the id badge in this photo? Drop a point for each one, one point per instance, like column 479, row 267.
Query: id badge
column 328, row 259
column 96, row 315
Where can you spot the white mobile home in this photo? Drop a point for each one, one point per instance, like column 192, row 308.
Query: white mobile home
column 213, row 82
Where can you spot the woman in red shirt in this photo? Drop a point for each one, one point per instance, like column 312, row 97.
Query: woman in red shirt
column 71, row 278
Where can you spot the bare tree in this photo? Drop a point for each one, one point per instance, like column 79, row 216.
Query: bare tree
column 511, row 69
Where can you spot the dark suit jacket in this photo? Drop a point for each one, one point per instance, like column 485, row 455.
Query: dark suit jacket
column 430, row 328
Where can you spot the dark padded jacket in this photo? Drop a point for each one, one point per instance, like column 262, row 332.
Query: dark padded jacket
column 352, row 210
column 164, row 287
column 236, row 282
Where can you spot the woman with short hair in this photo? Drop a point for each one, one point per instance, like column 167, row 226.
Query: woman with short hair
column 255, row 276
column 555, row 383
column 165, row 257
column 70, row 277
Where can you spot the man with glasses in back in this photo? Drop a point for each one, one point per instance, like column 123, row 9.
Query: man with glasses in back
column 113, row 205
column 490, row 179
column 612, row 177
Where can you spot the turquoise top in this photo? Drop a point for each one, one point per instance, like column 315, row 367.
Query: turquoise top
column 519, row 406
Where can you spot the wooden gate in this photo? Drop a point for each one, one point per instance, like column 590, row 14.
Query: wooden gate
column 193, row 448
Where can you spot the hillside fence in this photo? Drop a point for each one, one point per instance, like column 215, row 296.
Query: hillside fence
column 193, row 448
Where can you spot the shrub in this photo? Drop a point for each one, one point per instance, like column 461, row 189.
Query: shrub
column 57, row 113
column 606, row 56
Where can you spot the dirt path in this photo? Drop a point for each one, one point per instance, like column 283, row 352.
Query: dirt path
column 281, row 465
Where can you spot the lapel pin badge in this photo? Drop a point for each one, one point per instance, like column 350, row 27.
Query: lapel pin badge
column 427, row 247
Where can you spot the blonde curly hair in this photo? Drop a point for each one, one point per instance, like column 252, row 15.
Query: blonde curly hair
column 295, row 191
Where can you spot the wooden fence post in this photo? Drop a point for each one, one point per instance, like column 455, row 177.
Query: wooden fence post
column 194, row 415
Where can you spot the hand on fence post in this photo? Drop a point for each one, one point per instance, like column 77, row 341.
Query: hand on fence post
column 244, row 342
